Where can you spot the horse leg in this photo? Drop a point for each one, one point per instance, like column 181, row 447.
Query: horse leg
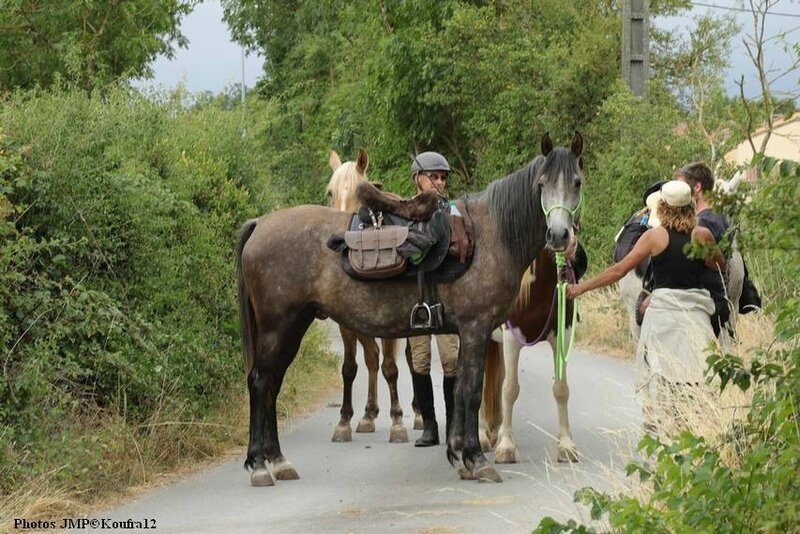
column 282, row 468
column 469, row 388
column 256, row 457
column 398, row 432
column 566, row 451
column 343, row 431
column 275, row 351
column 418, row 423
column 367, row 423
column 506, row 452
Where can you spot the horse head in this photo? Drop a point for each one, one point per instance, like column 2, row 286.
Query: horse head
column 341, row 189
column 559, row 180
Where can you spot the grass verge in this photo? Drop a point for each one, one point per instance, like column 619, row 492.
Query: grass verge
column 134, row 457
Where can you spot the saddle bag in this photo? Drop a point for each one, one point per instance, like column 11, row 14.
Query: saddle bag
column 373, row 251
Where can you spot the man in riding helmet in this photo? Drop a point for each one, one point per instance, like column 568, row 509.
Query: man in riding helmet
column 430, row 170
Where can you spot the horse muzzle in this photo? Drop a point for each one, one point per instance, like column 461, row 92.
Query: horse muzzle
column 558, row 238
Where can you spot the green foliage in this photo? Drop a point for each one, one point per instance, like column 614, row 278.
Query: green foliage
column 747, row 482
column 117, row 288
column 478, row 81
column 88, row 43
column 635, row 143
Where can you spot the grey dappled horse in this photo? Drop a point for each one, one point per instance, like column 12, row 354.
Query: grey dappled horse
column 287, row 277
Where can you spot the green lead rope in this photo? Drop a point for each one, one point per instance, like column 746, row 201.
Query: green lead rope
column 562, row 353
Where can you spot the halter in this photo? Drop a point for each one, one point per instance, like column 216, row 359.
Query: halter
column 573, row 212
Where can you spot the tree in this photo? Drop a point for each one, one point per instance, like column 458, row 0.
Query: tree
column 757, row 43
column 88, row 43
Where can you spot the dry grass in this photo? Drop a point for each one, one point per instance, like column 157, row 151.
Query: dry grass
column 164, row 448
column 604, row 324
column 702, row 410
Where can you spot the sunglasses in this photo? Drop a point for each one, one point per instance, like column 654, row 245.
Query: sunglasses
column 436, row 176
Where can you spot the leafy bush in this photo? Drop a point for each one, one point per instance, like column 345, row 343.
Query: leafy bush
column 117, row 281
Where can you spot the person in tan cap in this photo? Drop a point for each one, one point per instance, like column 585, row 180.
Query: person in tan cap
column 677, row 325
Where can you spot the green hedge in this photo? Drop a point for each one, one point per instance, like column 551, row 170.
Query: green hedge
column 118, row 218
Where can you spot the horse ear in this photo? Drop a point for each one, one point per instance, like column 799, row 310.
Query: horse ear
column 362, row 162
column 333, row 160
column 377, row 185
column 547, row 144
column 577, row 144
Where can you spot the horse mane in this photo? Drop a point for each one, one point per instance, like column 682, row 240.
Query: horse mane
column 343, row 183
column 516, row 212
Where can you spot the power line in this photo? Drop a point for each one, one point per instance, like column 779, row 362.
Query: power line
column 743, row 10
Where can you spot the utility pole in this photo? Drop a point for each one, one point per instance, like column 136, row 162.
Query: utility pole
column 636, row 45
column 244, row 104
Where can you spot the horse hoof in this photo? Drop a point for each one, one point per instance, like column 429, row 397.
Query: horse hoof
column 506, row 456
column 465, row 474
column 285, row 471
column 366, row 426
column 567, row 454
column 398, row 434
column 487, row 473
column 261, row 477
column 418, row 424
column 342, row 434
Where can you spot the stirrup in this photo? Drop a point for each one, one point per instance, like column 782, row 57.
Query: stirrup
column 425, row 316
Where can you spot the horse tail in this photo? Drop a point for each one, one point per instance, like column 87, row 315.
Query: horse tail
column 493, row 387
column 246, row 314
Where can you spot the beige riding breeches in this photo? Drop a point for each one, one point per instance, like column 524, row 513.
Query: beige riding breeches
column 421, row 353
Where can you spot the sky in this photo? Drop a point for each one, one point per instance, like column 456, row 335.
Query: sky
column 213, row 62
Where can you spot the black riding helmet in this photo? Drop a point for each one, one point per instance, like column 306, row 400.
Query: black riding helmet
column 429, row 161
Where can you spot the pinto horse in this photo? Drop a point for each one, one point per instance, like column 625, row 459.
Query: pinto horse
column 287, row 276
column 532, row 320
column 341, row 193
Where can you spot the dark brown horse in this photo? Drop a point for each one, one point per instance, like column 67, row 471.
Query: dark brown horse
column 287, row 277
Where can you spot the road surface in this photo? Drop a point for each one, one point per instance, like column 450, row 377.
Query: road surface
column 371, row 485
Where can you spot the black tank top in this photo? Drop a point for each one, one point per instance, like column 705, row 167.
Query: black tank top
column 672, row 269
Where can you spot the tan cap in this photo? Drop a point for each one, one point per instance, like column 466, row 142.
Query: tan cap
column 677, row 193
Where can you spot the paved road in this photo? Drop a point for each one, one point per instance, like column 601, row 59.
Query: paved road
column 370, row 485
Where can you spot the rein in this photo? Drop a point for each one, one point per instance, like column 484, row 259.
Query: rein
column 562, row 353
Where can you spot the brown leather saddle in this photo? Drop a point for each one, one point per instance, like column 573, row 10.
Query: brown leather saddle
column 372, row 251
column 415, row 239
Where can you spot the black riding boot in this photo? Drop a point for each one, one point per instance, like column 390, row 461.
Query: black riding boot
column 448, row 385
column 423, row 389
